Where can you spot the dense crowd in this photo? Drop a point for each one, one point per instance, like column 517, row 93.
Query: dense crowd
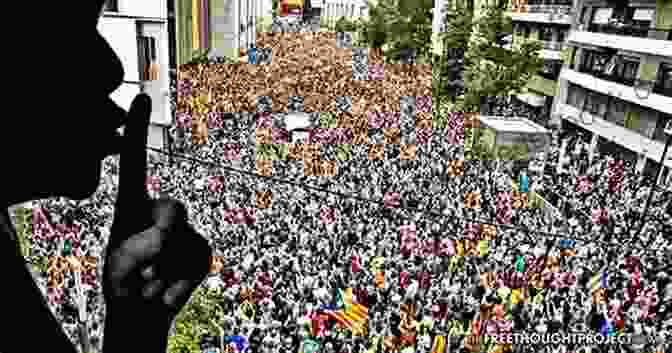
column 305, row 242
column 301, row 247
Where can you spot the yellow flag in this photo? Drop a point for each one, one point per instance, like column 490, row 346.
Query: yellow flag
column 439, row 344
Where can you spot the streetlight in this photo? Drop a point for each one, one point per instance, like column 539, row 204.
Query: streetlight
column 668, row 132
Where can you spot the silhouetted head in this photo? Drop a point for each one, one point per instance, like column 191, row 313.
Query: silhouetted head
column 63, row 123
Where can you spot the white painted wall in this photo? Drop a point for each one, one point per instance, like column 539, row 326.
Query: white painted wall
column 639, row 45
column 147, row 17
column 144, row 8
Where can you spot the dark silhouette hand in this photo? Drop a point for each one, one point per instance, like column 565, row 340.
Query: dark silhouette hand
column 154, row 259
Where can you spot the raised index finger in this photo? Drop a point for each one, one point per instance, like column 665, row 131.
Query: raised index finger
column 133, row 210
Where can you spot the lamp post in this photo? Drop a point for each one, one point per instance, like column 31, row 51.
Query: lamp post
column 668, row 132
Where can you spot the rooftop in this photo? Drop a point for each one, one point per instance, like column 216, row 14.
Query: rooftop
column 515, row 124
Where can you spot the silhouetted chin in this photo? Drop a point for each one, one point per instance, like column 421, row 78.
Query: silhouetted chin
column 84, row 186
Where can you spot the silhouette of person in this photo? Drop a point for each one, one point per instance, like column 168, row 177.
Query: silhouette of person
column 69, row 126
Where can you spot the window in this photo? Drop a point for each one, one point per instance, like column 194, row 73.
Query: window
column 626, row 71
column 617, row 112
column 111, row 5
column 594, row 103
column 659, row 132
column 546, row 34
column 664, row 81
column 575, row 96
column 561, row 36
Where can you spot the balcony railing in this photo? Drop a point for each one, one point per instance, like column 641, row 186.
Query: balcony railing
column 631, row 30
column 555, row 9
column 550, row 2
column 662, row 90
column 549, row 45
column 601, row 75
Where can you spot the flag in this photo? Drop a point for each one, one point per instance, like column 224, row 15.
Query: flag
column 356, row 264
column 517, row 296
column 439, row 344
column 380, row 279
column 377, row 263
column 607, row 328
column 345, row 313
column 483, row 247
column 594, row 283
column 344, row 299
column 242, row 344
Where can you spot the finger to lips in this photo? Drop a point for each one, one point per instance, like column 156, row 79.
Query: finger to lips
column 132, row 209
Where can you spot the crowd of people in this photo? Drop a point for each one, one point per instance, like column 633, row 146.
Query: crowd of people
column 306, row 244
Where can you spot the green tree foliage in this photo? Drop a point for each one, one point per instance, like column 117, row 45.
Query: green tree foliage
column 23, row 218
column 489, row 68
column 410, row 28
column 492, row 70
column 399, row 25
column 202, row 315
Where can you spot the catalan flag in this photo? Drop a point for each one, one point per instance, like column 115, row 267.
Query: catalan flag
column 346, row 313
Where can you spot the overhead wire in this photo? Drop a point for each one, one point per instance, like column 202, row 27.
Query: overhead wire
column 382, row 204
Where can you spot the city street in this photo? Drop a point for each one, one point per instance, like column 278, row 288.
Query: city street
column 349, row 212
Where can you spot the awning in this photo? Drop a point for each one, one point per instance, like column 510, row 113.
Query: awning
column 532, row 99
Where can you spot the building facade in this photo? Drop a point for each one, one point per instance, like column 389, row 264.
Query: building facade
column 138, row 33
column 335, row 9
column 615, row 87
column 546, row 21
column 223, row 28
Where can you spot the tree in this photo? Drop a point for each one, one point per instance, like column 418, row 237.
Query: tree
column 202, row 315
column 472, row 44
column 410, row 29
column 404, row 27
column 491, row 69
column 373, row 31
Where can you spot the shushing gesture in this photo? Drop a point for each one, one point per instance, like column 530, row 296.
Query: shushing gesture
column 154, row 258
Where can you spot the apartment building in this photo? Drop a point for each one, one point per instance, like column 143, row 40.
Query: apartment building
column 615, row 87
column 547, row 21
column 224, row 28
column 138, row 32
column 333, row 10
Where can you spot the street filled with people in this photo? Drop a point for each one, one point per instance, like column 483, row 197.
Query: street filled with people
column 436, row 249
column 414, row 244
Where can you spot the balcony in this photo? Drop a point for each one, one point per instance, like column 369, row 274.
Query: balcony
column 659, row 88
column 631, row 31
column 627, row 93
column 627, row 81
column 651, row 46
column 622, row 136
column 553, row 9
column 549, row 45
